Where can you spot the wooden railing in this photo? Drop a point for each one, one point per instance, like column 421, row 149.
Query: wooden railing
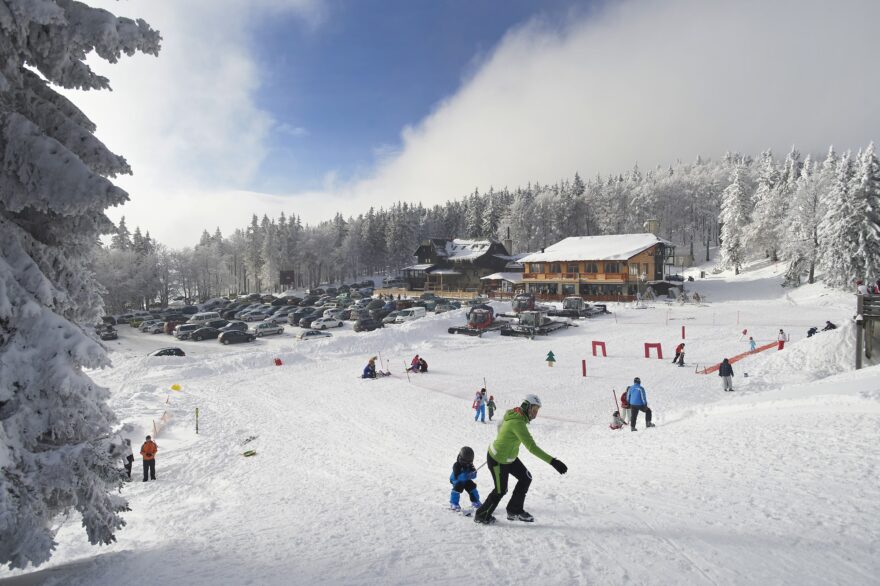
column 600, row 277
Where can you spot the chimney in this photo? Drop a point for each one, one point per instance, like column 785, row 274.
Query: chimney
column 652, row 226
column 508, row 243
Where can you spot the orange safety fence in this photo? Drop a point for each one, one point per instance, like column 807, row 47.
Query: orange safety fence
column 737, row 358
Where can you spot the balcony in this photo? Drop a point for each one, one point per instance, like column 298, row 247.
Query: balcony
column 576, row 277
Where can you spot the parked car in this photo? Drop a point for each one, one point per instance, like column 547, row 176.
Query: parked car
column 280, row 317
column 170, row 325
column 306, row 321
column 389, row 319
column 257, row 315
column 189, row 310
column 344, row 315
column 322, row 323
column 167, row 352
column 367, row 325
column 442, row 307
column 410, row 314
column 379, row 314
column 204, row 334
column 108, row 333
column 267, row 328
column 674, row 278
column 216, row 323
column 235, row 326
column 146, row 325
column 156, row 328
column 236, row 336
column 183, row 331
column 312, row 334
column 333, row 312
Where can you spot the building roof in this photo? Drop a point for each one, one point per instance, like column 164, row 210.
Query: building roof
column 514, row 278
column 445, row 272
column 610, row 247
column 461, row 250
column 422, row 267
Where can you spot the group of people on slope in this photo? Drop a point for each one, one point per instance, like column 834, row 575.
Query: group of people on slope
column 370, row 370
column 418, row 364
column 867, row 289
column 633, row 400
column 503, row 462
column 814, row 330
column 481, row 403
column 148, row 453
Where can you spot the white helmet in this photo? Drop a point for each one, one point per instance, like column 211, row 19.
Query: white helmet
column 532, row 400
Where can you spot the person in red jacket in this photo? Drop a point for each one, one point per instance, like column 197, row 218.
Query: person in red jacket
column 624, row 405
column 148, row 451
column 679, row 355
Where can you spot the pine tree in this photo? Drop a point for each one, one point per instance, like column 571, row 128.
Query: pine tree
column 55, row 447
column 121, row 239
column 800, row 246
column 764, row 232
column 734, row 218
column 838, row 229
column 866, row 203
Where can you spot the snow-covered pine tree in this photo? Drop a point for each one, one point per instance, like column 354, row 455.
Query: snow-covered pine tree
column 838, row 229
column 866, row 203
column 764, row 232
column 734, row 218
column 799, row 247
column 54, row 421
column 121, row 239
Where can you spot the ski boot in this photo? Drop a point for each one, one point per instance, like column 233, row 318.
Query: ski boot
column 650, row 425
column 521, row 516
column 455, row 507
column 485, row 520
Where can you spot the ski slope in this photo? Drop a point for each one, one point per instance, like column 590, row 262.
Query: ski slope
column 776, row 483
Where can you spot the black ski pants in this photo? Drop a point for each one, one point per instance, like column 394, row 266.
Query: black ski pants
column 634, row 414
column 149, row 467
column 500, row 474
column 679, row 358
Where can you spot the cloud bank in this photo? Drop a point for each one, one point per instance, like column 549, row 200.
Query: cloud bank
column 647, row 81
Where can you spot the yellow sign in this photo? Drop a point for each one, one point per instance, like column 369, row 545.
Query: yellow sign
column 175, row 387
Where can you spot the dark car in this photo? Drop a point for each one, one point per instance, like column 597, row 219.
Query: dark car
column 375, row 304
column 108, row 333
column 254, row 297
column 674, row 278
column 109, row 320
column 379, row 314
column 216, row 323
column 306, row 321
column 167, row 352
column 204, row 334
column 345, row 314
column 390, row 305
column 236, row 336
column 294, row 316
column 367, row 325
column 235, row 326
column 189, row 310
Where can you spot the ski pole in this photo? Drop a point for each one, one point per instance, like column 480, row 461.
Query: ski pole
column 406, row 370
column 483, row 464
column 616, row 404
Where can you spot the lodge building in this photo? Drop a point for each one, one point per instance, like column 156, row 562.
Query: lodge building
column 615, row 267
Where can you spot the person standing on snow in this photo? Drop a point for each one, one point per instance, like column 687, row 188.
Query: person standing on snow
column 491, row 406
column 638, row 401
column 503, row 462
column 148, row 451
column 725, row 371
column 752, row 345
column 462, row 478
column 129, row 457
column 679, row 355
column 480, row 406
column 781, row 339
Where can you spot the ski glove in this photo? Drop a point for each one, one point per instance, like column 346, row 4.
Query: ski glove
column 559, row 466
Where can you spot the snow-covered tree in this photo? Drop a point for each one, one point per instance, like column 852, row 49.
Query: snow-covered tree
column 765, row 231
column 54, row 421
column 865, row 191
column 800, row 246
column 838, row 230
column 121, row 239
column 734, row 218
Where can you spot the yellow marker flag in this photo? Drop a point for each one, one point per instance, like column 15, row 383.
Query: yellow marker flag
column 175, row 387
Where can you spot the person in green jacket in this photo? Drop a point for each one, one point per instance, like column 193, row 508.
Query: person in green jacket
column 503, row 462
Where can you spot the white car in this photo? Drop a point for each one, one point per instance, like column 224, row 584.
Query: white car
column 158, row 328
column 334, row 312
column 267, row 328
column 145, row 326
column 322, row 323
column 312, row 334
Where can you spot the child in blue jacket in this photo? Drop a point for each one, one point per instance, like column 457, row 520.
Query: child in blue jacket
column 462, row 478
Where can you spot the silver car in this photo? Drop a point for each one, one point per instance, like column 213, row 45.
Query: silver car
column 267, row 328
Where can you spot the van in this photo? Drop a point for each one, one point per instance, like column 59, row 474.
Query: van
column 409, row 314
column 205, row 316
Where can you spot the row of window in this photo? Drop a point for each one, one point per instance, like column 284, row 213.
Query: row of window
column 635, row 269
column 584, row 289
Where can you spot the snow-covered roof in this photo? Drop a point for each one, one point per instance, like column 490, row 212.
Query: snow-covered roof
column 610, row 247
column 418, row 267
column 514, row 278
column 445, row 272
column 464, row 250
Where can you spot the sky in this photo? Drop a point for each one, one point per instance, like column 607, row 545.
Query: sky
column 313, row 107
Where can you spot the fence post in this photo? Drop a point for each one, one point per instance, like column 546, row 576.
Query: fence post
column 197, row 421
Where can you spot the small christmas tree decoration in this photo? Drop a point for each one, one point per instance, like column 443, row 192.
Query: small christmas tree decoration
column 550, row 359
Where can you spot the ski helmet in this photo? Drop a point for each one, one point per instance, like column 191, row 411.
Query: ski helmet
column 532, row 400
column 637, row 380
column 466, row 455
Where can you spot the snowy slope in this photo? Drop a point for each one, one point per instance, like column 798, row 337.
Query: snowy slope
column 775, row 483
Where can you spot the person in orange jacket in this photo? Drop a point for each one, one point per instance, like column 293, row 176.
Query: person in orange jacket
column 148, row 451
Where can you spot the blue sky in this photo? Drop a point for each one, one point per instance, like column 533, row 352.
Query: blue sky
column 341, row 93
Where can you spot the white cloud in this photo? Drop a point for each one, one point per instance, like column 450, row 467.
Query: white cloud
column 647, row 81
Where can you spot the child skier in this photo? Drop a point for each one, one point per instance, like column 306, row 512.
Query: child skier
column 414, row 364
column 480, row 406
column 616, row 421
column 462, row 478
column 491, row 406
column 752, row 344
column 679, row 355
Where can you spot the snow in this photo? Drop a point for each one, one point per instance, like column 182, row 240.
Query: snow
column 774, row 483
column 610, row 247
column 458, row 250
column 511, row 277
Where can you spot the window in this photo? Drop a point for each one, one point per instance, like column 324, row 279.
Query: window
column 555, row 267
column 634, row 270
column 569, row 289
column 537, row 267
column 591, row 267
column 612, row 267
column 571, row 267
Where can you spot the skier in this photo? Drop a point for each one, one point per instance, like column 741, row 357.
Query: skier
column 148, row 451
column 725, row 371
column 491, row 405
column 812, row 331
column 414, row 364
column 752, row 345
column 781, row 339
column 462, row 478
column 638, row 401
column 624, row 404
column 370, row 369
column 423, row 365
column 503, row 461
column 129, row 457
column 829, row 326
column 679, row 355
column 616, row 421
column 480, row 406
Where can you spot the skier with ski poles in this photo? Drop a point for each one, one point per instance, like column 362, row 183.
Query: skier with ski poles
column 503, row 461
